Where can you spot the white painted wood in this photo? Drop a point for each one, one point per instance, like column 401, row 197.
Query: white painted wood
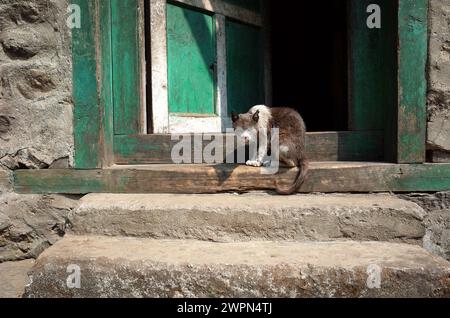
column 226, row 9
column 143, row 81
column 222, row 96
column 158, row 47
column 185, row 125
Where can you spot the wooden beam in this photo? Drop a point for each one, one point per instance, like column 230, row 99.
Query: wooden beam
column 87, row 114
column 412, row 84
column 226, row 8
column 104, row 57
column 126, row 59
column 327, row 146
column 323, row 177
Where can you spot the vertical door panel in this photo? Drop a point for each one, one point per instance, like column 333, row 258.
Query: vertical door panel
column 127, row 66
column 245, row 66
column 373, row 65
column 191, row 61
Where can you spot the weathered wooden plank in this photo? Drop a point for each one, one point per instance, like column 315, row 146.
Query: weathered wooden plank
column 191, row 58
column 105, row 83
column 323, row 177
column 412, row 84
column 127, row 86
column 327, row 146
column 247, row 11
column 87, row 119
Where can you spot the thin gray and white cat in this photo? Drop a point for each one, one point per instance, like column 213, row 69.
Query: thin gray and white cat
column 292, row 133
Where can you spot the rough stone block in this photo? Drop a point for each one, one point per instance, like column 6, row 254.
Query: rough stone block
column 126, row 267
column 228, row 217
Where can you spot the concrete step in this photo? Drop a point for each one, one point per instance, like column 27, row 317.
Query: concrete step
column 228, row 217
column 132, row 267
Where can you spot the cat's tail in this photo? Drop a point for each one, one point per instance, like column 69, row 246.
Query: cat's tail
column 302, row 173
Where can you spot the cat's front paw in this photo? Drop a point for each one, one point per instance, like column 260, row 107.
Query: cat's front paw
column 254, row 163
column 267, row 163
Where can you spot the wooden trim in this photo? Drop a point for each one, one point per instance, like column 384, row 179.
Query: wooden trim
column 182, row 124
column 226, row 9
column 126, row 51
column 105, row 82
column 158, row 47
column 323, row 177
column 222, row 96
column 143, row 67
column 412, row 84
column 327, row 146
column 87, row 114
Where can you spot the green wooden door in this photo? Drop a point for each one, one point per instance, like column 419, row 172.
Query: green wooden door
column 126, row 57
column 245, row 66
column 191, row 53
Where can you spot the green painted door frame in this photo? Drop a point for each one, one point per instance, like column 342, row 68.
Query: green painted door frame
column 107, row 73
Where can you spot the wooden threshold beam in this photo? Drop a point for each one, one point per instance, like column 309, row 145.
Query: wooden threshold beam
column 323, row 177
column 320, row 146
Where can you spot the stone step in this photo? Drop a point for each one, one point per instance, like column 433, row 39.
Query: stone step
column 133, row 267
column 257, row 216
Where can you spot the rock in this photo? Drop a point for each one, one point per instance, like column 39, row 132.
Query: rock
column 439, row 132
column 32, row 11
column 429, row 201
column 5, row 181
column 14, row 277
column 127, row 267
column 31, row 223
column 26, row 41
column 62, row 163
column 227, row 217
column 5, row 124
column 439, row 156
column 36, row 108
column 439, row 76
column 5, row 222
column 437, row 238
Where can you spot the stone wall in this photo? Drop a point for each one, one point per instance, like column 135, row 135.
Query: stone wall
column 35, row 120
column 35, row 83
column 439, row 81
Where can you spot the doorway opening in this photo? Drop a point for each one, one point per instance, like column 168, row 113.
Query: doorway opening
column 214, row 60
column 310, row 61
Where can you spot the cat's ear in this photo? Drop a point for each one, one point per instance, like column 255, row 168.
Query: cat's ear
column 234, row 117
column 256, row 116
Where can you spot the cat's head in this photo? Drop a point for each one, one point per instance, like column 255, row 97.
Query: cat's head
column 246, row 125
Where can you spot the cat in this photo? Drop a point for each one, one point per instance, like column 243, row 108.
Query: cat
column 292, row 134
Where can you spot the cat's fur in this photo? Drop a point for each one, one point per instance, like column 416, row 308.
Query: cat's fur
column 292, row 133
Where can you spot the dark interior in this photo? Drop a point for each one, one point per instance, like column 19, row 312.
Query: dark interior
column 310, row 59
